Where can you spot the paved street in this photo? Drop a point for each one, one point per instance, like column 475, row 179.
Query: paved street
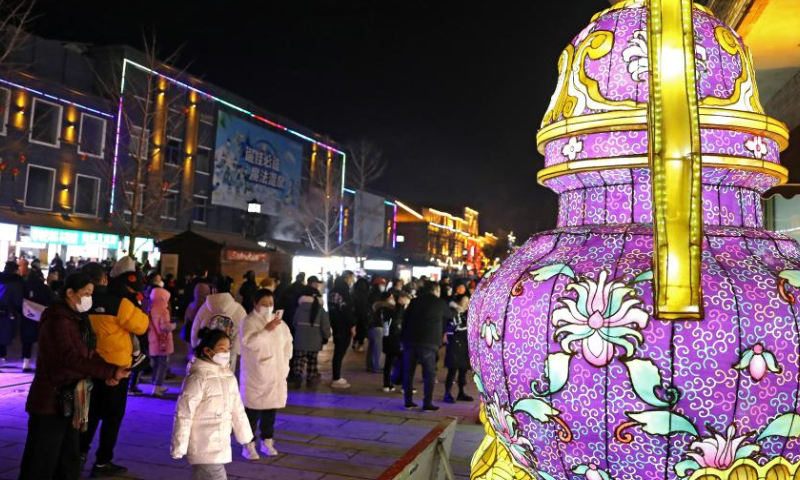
column 321, row 434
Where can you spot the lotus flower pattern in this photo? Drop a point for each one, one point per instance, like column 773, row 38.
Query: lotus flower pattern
column 502, row 421
column 604, row 317
column 720, row 451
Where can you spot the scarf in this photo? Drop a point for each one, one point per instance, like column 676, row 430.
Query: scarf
column 80, row 417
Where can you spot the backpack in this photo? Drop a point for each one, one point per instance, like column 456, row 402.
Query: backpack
column 224, row 323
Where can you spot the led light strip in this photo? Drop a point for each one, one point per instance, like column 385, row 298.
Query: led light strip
column 53, row 97
column 269, row 122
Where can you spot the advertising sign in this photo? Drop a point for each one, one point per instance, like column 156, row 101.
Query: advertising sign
column 369, row 220
column 235, row 255
column 73, row 237
column 251, row 162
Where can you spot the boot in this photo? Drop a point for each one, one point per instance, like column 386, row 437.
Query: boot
column 463, row 397
column 26, row 365
column 448, row 398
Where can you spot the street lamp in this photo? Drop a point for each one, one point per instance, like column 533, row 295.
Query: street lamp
column 254, row 206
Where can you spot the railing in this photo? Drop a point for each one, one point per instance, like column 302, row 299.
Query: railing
column 428, row 459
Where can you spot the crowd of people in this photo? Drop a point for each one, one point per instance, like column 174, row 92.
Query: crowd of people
column 98, row 325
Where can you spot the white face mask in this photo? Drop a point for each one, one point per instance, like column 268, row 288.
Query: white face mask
column 160, row 284
column 222, row 359
column 265, row 311
column 84, row 305
column 381, row 288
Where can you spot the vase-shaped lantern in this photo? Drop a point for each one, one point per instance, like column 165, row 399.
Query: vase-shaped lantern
column 585, row 369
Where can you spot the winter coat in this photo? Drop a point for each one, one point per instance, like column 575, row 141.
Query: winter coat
column 342, row 311
column 12, row 291
column 220, row 308
column 309, row 334
column 38, row 292
column 265, row 362
column 201, row 292
column 390, row 317
column 65, row 356
column 248, row 292
column 208, row 409
column 423, row 321
column 114, row 318
column 159, row 336
column 457, row 352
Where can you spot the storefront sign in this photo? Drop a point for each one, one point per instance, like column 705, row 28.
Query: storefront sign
column 234, row 255
column 73, row 237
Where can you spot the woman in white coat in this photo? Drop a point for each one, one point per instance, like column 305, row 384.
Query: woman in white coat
column 221, row 312
column 208, row 409
column 266, row 351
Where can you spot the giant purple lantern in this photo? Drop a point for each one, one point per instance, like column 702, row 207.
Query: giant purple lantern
column 578, row 378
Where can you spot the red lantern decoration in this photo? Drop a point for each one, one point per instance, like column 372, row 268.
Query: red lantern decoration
column 83, row 157
column 3, row 166
column 22, row 159
column 15, row 171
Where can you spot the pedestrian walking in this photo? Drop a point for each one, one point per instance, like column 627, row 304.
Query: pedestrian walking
column 159, row 338
column 423, row 332
column 266, row 351
column 456, row 357
column 312, row 329
column 209, row 409
column 58, row 399
column 383, row 313
column 343, row 322
column 363, row 313
column 221, row 312
column 393, row 345
column 12, row 292
column 115, row 315
column 287, row 301
column 38, row 296
column 248, row 291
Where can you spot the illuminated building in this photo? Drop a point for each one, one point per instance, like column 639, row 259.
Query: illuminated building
column 442, row 239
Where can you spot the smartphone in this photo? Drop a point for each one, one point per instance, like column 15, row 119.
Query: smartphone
column 278, row 314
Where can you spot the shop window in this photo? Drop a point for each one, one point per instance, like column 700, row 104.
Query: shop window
column 200, row 209
column 203, row 164
column 92, row 136
column 5, row 104
column 39, row 185
column 173, row 153
column 170, row 205
column 87, row 195
column 45, row 123
column 136, row 142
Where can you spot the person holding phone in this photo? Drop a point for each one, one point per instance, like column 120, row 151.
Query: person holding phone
column 266, row 351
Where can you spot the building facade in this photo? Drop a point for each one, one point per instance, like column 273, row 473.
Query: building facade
column 101, row 144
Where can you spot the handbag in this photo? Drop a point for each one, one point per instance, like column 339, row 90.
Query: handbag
column 66, row 399
column 32, row 310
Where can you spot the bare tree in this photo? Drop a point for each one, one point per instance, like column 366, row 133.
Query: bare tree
column 144, row 173
column 320, row 209
column 14, row 17
column 365, row 164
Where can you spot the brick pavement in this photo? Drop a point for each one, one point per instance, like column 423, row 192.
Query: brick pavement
column 321, row 435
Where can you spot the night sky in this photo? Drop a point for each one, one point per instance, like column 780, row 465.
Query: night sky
column 452, row 93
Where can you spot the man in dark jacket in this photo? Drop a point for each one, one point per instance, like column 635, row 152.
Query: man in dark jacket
column 423, row 334
column 115, row 315
column 12, row 292
column 343, row 321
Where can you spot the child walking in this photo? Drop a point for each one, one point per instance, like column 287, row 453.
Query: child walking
column 208, row 409
column 159, row 337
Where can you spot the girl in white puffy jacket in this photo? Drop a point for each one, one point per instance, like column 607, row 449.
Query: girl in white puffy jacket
column 208, row 409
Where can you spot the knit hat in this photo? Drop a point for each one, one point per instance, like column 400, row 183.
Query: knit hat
column 124, row 265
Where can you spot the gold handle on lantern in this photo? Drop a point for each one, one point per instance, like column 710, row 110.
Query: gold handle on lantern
column 674, row 156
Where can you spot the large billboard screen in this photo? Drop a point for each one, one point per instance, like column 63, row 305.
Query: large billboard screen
column 253, row 162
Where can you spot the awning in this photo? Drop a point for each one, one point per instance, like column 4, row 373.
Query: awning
column 787, row 190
